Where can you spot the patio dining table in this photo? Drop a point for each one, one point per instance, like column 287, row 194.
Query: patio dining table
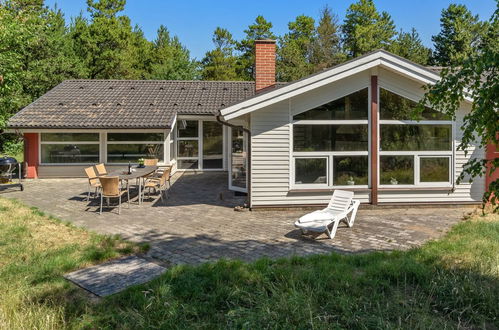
column 137, row 173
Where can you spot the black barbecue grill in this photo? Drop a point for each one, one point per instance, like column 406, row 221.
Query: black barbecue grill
column 8, row 167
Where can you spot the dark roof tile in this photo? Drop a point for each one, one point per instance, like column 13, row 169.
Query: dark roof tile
column 128, row 103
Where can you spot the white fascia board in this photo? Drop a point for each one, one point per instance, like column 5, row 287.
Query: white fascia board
column 379, row 58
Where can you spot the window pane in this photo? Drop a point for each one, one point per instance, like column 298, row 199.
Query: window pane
column 187, row 128
column 187, row 148
column 396, row 170
column 187, row 164
column 124, row 153
column 135, row 137
column 350, row 170
column 330, row 137
column 415, row 137
column 212, row 144
column 434, row 169
column 69, row 153
column 393, row 106
column 311, row 170
column 63, row 137
column 353, row 106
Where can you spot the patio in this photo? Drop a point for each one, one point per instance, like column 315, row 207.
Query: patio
column 198, row 224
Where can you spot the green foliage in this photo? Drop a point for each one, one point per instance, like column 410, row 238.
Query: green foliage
column 410, row 46
column 476, row 77
column 326, row 49
column 365, row 29
column 171, row 60
column 34, row 54
column 308, row 48
column 260, row 29
column 220, row 63
column 460, row 33
column 294, row 53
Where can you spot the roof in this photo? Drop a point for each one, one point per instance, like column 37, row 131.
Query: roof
column 129, row 104
column 368, row 61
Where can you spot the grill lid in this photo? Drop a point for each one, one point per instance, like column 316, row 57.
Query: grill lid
column 7, row 160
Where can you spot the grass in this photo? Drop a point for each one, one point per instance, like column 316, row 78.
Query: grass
column 449, row 283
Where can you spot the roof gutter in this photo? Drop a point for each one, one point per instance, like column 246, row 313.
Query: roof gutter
column 248, row 187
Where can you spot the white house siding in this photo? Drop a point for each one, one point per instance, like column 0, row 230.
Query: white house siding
column 271, row 148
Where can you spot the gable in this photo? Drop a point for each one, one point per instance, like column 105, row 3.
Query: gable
column 405, row 73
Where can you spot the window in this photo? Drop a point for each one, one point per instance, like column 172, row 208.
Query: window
column 350, row 107
column 396, row 107
column 434, row 169
column 416, row 137
column 396, row 170
column 311, row 171
column 331, row 143
column 200, row 144
column 213, row 147
column 69, row 148
column 330, row 137
column 130, row 147
column 413, row 152
column 350, row 170
column 188, row 144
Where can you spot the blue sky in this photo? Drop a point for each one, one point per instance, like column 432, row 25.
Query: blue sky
column 194, row 21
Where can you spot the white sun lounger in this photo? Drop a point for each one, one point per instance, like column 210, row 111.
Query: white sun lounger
column 342, row 207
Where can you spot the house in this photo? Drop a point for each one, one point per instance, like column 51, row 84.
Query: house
column 292, row 144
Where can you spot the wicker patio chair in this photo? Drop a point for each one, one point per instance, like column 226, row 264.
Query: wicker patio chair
column 151, row 162
column 101, row 169
column 93, row 182
column 111, row 189
column 162, row 184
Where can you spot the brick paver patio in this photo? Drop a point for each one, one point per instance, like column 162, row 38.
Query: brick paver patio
column 198, row 224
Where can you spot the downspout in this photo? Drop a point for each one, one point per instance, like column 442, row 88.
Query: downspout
column 248, row 198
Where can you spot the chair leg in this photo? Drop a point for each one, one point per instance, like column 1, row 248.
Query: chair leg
column 88, row 195
column 128, row 195
column 107, row 201
column 119, row 205
column 101, row 201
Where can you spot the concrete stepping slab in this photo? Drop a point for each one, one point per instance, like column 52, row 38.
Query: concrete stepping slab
column 116, row 275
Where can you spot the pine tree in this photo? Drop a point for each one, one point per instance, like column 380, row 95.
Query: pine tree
column 410, row 46
column 365, row 29
column 326, row 48
column 460, row 31
column 220, row 63
column 171, row 60
column 104, row 43
column 295, row 49
column 260, row 29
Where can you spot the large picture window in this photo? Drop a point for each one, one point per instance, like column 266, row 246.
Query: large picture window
column 69, row 148
column 413, row 150
column 331, row 143
column 130, row 147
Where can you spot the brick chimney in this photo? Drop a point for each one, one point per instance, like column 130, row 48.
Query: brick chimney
column 264, row 64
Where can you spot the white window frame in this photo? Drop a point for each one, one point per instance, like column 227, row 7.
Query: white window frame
column 65, row 143
column 107, row 142
column 418, row 153
column 311, row 185
column 199, row 138
column 330, row 154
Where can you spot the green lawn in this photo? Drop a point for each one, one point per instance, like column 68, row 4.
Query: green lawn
column 450, row 283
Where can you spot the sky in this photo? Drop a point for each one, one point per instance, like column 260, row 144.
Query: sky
column 194, row 21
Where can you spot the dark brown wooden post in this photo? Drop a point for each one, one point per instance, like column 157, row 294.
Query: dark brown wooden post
column 374, row 140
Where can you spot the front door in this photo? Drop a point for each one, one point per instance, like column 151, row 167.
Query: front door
column 238, row 177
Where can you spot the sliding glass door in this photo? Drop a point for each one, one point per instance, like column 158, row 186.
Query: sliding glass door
column 200, row 145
